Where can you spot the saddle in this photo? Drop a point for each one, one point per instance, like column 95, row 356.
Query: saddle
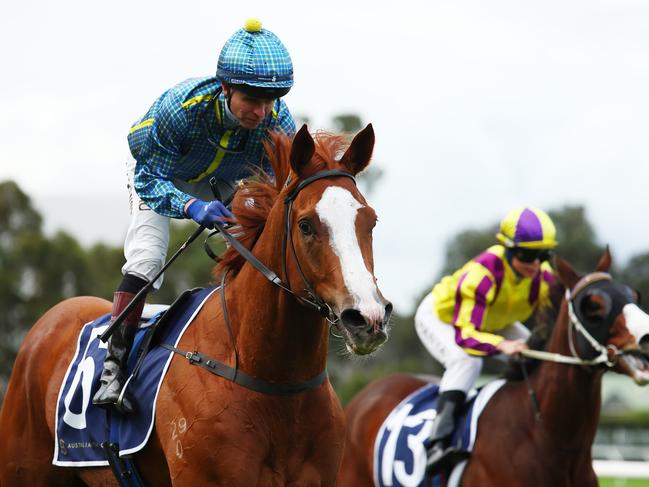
column 401, row 443
column 83, row 430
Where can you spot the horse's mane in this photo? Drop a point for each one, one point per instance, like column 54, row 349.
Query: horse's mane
column 542, row 324
column 255, row 197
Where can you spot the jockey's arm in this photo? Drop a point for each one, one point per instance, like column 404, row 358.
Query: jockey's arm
column 476, row 292
column 158, row 160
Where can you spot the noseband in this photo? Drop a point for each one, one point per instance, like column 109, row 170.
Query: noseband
column 575, row 322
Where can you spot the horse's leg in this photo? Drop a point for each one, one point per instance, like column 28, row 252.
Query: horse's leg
column 26, row 445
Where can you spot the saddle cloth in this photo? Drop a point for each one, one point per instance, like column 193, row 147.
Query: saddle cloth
column 82, row 427
column 400, row 445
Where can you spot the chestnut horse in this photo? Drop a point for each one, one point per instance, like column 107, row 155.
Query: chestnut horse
column 598, row 328
column 208, row 430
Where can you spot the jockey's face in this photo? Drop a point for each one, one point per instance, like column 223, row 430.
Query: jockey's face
column 526, row 269
column 250, row 111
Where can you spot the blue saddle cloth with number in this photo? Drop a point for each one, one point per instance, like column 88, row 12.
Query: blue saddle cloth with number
column 82, row 427
column 400, row 445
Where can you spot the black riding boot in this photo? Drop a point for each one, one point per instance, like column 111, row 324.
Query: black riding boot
column 440, row 455
column 119, row 346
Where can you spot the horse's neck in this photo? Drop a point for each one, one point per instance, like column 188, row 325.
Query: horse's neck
column 569, row 395
column 277, row 337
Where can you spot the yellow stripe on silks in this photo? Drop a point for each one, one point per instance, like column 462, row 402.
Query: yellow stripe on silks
column 217, row 159
column 196, row 100
column 217, row 108
column 145, row 123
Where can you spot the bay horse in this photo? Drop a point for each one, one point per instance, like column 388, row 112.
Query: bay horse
column 313, row 227
column 598, row 328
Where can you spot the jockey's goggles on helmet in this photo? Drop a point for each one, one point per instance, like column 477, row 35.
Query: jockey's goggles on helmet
column 530, row 255
column 260, row 92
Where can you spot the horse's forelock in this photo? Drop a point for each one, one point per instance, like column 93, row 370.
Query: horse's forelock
column 253, row 201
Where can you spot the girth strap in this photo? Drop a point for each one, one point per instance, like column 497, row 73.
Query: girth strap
column 245, row 380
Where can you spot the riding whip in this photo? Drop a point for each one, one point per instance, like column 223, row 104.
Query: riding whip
column 120, row 318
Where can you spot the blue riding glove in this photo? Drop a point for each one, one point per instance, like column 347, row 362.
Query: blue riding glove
column 206, row 213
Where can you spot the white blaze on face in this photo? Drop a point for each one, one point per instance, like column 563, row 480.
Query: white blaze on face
column 637, row 321
column 337, row 209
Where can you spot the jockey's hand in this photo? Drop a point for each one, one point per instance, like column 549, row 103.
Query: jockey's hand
column 206, row 213
column 511, row 347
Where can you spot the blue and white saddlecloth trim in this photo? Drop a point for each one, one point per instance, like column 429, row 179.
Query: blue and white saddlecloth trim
column 81, row 427
column 400, row 446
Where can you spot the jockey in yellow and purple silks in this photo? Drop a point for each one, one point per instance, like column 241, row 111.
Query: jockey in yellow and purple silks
column 477, row 311
column 202, row 129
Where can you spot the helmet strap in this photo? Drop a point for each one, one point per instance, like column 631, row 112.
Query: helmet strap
column 509, row 255
column 227, row 91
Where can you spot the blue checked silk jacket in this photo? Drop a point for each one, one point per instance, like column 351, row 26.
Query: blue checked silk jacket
column 179, row 137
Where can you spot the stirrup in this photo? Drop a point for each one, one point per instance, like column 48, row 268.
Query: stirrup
column 124, row 403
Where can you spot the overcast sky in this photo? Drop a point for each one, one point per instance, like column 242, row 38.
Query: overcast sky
column 478, row 107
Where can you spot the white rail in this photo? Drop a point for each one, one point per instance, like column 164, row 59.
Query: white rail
column 621, row 469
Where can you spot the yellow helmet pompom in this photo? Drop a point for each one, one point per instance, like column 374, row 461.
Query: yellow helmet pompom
column 252, row 25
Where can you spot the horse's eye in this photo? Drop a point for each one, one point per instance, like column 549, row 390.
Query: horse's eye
column 305, row 227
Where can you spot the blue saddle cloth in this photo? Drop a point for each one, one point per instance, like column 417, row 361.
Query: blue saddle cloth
column 400, row 445
column 81, row 427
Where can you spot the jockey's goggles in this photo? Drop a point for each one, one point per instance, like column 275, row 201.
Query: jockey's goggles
column 530, row 255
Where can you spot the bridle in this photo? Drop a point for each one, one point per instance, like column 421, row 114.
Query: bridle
column 311, row 297
column 606, row 355
column 233, row 373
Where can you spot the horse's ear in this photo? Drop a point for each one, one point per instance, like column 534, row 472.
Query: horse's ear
column 604, row 263
column 302, row 150
column 566, row 273
column 358, row 155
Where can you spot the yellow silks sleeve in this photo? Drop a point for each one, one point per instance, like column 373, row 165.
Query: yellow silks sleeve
column 475, row 292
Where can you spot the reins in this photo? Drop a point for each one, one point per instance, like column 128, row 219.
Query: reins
column 575, row 359
column 575, row 323
column 312, row 298
column 234, row 374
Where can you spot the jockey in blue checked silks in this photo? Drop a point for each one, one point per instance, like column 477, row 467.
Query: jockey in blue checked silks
column 202, row 128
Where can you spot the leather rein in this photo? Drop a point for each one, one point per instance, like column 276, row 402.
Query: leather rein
column 233, row 373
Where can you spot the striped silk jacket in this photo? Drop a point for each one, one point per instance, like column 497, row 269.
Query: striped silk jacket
column 187, row 135
column 485, row 296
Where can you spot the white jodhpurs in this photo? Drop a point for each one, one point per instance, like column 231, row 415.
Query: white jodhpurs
column 461, row 369
column 147, row 237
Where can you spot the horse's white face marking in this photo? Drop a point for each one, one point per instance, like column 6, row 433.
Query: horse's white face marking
column 337, row 209
column 637, row 321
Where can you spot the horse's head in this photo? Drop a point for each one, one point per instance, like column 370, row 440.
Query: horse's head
column 330, row 235
column 607, row 320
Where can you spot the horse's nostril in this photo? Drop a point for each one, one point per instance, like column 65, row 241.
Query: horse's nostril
column 352, row 318
column 644, row 342
column 388, row 312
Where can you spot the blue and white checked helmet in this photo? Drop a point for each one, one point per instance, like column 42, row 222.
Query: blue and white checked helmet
column 256, row 61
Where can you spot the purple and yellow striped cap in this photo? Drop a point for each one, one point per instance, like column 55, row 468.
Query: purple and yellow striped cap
column 527, row 227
